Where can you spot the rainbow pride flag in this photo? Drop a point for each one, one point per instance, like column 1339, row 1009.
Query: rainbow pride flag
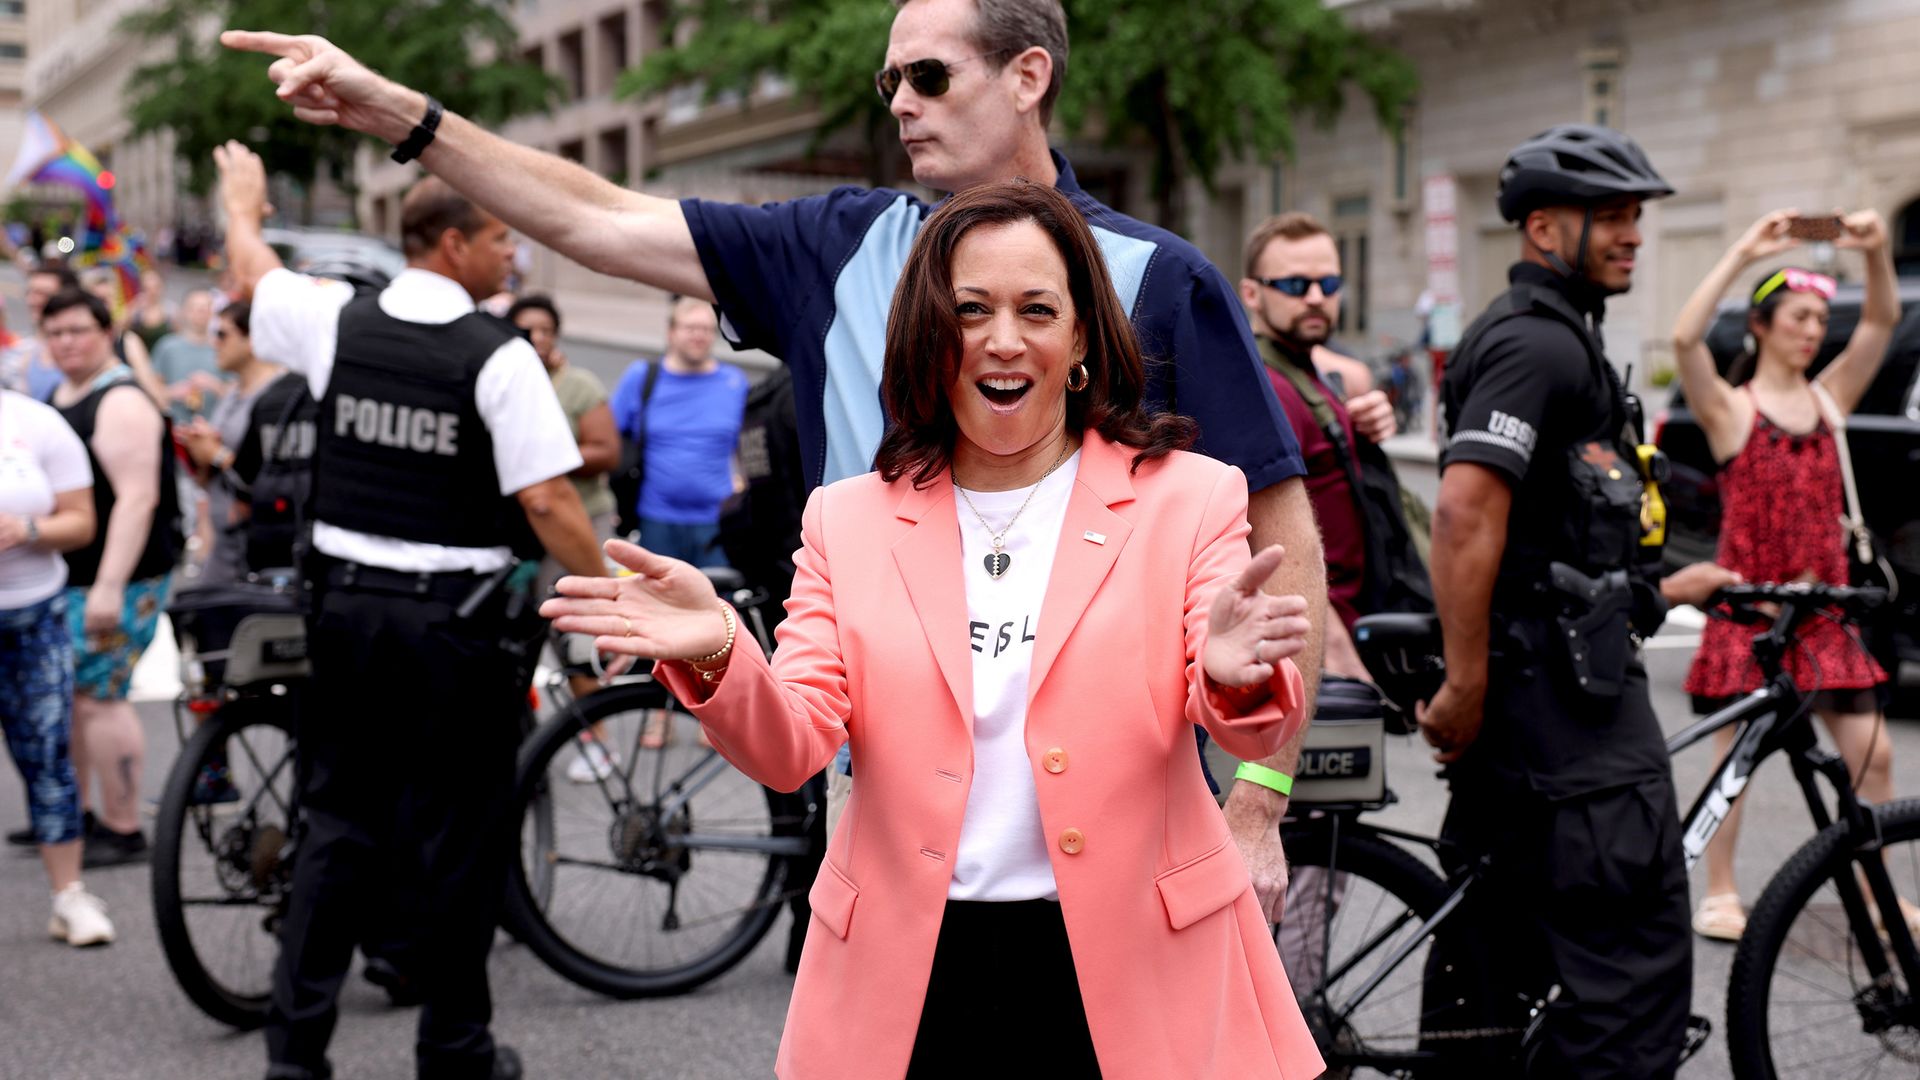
column 48, row 156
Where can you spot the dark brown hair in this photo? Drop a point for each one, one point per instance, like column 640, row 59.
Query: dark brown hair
column 68, row 299
column 1292, row 225
column 924, row 339
column 428, row 210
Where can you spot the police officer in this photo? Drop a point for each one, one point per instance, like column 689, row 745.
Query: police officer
column 1559, row 775
column 439, row 443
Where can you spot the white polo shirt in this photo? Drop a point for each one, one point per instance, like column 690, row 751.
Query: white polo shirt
column 296, row 321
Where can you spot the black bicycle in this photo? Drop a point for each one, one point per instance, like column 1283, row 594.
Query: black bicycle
column 1822, row 984
column 228, row 826
column 648, row 864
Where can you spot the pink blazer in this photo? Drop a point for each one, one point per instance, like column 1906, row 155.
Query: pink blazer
column 1176, row 966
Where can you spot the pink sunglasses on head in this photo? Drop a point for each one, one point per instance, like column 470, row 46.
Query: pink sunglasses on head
column 1796, row 280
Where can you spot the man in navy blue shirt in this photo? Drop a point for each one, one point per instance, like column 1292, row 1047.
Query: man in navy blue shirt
column 972, row 83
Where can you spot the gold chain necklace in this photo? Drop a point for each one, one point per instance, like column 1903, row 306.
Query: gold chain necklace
column 998, row 560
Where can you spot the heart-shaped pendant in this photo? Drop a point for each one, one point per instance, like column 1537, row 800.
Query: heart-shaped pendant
column 997, row 564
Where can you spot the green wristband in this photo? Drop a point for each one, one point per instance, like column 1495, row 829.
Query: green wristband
column 1265, row 777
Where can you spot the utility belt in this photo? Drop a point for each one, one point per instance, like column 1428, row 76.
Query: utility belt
column 504, row 592
column 1592, row 621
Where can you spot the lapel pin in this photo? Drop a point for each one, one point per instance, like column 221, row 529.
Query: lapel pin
column 1098, row 538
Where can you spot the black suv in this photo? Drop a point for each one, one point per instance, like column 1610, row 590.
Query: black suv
column 1883, row 433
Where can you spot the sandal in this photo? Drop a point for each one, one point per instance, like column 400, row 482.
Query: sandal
column 1720, row 917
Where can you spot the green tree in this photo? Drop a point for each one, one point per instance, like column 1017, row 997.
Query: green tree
column 206, row 94
column 1198, row 87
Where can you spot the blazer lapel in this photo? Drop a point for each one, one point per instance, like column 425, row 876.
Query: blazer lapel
column 1091, row 538
column 929, row 560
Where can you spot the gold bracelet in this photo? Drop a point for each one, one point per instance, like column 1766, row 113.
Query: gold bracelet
column 726, row 612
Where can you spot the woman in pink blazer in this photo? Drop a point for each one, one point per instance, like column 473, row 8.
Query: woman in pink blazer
column 1015, row 620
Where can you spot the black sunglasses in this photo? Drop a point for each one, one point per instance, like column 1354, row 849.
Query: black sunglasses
column 1298, row 285
column 929, row 78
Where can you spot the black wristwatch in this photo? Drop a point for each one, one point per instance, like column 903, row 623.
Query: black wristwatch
column 421, row 137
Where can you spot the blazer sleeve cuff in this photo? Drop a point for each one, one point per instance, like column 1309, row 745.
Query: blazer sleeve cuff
column 1257, row 725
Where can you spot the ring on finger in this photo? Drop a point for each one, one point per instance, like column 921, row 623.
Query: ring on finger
column 629, row 625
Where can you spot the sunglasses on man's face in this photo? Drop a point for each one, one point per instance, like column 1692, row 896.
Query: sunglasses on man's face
column 1296, row 286
column 929, row 78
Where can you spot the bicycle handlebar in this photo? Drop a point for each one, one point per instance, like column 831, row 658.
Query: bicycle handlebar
column 1800, row 598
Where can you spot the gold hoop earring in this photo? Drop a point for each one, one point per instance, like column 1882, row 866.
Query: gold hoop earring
column 1079, row 369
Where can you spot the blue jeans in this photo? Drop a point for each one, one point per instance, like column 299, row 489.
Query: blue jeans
column 36, row 709
column 696, row 544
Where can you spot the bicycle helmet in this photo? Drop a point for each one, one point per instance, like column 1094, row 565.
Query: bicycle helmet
column 1575, row 164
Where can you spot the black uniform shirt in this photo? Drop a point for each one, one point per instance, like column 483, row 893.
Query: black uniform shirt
column 1526, row 394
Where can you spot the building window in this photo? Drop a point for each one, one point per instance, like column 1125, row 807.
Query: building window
column 1350, row 218
column 575, row 151
column 613, row 44
column 12, row 50
column 613, row 155
column 573, row 65
column 13, row 9
column 1602, row 69
column 1906, row 239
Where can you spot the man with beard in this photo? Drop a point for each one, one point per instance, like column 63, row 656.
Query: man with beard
column 1292, row 294
column 1578, row 933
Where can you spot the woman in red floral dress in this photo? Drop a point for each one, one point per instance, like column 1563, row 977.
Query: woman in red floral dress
column 1782, row 499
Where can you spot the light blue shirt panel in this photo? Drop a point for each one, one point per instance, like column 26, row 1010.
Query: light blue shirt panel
column 1127, row 261
column 856, row 344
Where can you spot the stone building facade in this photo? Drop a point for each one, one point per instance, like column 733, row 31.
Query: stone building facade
column 1743, row 105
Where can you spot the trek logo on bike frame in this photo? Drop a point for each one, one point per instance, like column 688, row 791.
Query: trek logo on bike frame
column 1717, row 802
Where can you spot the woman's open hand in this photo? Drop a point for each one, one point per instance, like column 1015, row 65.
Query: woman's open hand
column 666, row 609
column 1249, row 632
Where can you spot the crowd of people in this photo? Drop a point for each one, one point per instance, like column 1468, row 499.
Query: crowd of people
column 1030, row 435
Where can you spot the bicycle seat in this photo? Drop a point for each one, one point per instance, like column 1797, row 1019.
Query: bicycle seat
column 1403, row 654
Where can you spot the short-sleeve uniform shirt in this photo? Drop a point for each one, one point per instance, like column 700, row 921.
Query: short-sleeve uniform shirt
column 296, row 322
column 1528, row 393
column 811, row 281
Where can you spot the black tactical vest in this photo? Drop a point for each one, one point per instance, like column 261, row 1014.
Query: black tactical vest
column 164, row 537
column 401, row 450
column 1600, row 528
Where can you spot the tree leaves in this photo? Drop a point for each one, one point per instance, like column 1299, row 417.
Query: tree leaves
column 1200, row 87
column 464, row 51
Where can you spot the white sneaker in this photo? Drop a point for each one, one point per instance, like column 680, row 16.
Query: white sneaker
column 79, row 917
column 594, row 763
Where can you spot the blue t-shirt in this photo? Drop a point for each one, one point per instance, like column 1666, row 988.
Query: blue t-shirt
column 693, row 422
column 811, row 280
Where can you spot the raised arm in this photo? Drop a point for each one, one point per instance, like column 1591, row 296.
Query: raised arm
column 243, row 195
column 1848, row 377
column 560, row 204
column 1709, row 396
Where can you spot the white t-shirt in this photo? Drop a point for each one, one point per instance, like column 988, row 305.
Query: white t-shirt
column 1003, row 849
column 296, row 322
column 40, row 457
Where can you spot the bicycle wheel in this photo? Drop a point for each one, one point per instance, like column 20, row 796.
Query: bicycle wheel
column 223, row 859
column 1331, row 949
column 1802, row 1001
column 659, row 875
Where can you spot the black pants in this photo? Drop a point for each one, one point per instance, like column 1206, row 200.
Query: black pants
column 407, row 749
column 1587, row 893
column 1003, row 982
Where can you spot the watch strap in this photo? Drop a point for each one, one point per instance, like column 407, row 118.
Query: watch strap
column 421, row 137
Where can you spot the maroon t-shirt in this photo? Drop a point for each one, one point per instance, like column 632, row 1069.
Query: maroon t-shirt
column 1341, row 537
